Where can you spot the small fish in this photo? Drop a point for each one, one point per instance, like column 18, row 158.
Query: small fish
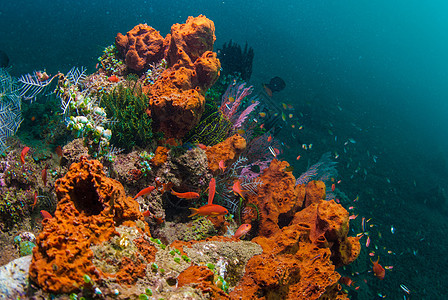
column 352, row 217
column 304, row 147
column 209, row 210
column 368, row 242
column 346, row 280
column 310, row 146
column 405, row 289
column 145, row 191
column 290, row 116
column 58, row 151
column 372, row 254
column 202, row 146
column 221, row 165
column 272, row 151
column 283, row 116
column 211, row 190
column 262, row 114
column 187, row 195
column 159, row 220
column 301, row 127
column 269, row 138
column 237, row 188
column 388, row 267
column 113, row 78
column 231, row 99
column 284, row 106
column 298, row 157
column 146, row 213
column 392, row 229
column 23, row 154
column 45, row 214
column 378, row 270
column 333, row 186
column 351, row 207
column 242, row 230
column 351, row 140
column 35, row 199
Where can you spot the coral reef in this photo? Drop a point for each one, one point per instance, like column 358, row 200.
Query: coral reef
column 140, row 47
column 228, row 151
column 299, row 260
column 89, row 207
column 177, row 98
column 277, row 198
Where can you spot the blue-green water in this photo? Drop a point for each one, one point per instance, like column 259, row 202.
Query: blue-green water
column 373, row 71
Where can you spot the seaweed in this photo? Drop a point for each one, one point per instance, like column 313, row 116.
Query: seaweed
column 126, row 105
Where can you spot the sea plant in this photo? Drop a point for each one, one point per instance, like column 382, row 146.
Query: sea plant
column 126, row 105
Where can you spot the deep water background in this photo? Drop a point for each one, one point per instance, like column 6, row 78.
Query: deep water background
column 374, row 71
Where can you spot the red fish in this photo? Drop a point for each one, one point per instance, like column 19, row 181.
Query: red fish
column 333, row 186
column 187, row 195
column 269, row 138
column 378, row 270
column 352, row 217
column 23, row 155
column 35, row 199
column 346, row 280
column 145, row 191
column 45, row 214
column 113, row 78
column 44, row 175
column 202, row 146
column 209, row 210
column 211, row 190
column 146, row 213
column 58, row 151
column 237, row 189
column 221, row 165
column 242, row 230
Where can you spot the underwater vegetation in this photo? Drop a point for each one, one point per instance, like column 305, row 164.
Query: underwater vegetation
column 10, row 107
column 126, row 105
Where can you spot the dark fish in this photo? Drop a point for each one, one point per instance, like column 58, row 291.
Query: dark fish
column 4, row 59
column 276, row 84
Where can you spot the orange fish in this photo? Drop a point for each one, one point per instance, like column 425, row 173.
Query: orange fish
column 146, row 213
column 269, row 138
column 159, row 220
column 211, row 190
column 24, row 152
column 45, row 214
column 187, row 195
column 209, row 210
column 333, row 186
column 58, row 151
column 242, row 230
column 378, row 270
column 298, row 157
column 202, row 146
column 267, row 90
column 352, row 217
column 346, row 280
column 44, row 175
column 113, row 78
column 237, row 189
column 221, row 165
column 35, row 199
column 145, row 191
